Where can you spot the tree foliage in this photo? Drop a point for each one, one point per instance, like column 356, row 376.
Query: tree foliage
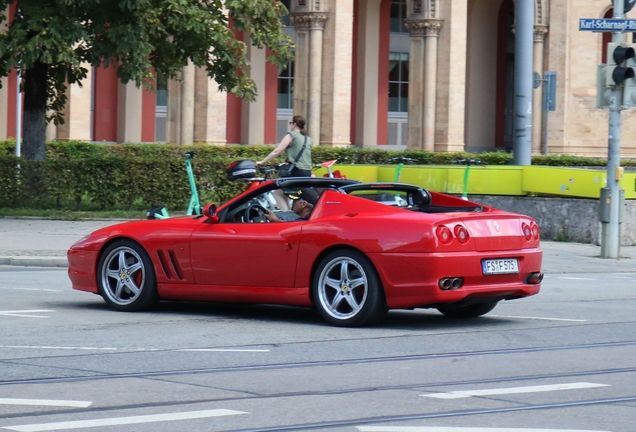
column 57, row 40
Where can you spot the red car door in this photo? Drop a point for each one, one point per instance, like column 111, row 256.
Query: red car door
column 246, row 254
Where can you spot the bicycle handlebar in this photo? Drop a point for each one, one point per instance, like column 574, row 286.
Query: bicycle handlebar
column 402, row 159
column 469, row 162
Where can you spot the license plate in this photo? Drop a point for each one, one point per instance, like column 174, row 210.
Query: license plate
column 500, row 266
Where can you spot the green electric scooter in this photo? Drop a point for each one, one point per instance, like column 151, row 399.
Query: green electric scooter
column 194, row 208
column 468, row 163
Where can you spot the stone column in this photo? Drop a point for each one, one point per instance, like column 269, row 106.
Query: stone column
column 431, row 34
column 253, row 113
column 173, row 113
column 78, row 112
column 4, row 107
column 51, row 129
column 301, row 67
column 417, row 62
column 210, row 113
column 309, row 27
column 187, row 104
column 451, row 82
column 540, row 32
column 367, row 74
column 4, row 91
column 337, row 76
column 422, row 82
column 129, row 110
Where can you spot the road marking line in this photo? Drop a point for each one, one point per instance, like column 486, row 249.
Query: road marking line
column 221, row 350
column 26, row 311
column 32, row 289
column 537, row 318
column 577, row 278
column 458, row 429
column 57, row 348
column 22, row 313
column 513, row 390
column 135, row 350
column 45, row 402
column 116, row 421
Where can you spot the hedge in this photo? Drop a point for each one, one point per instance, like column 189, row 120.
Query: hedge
column 87, row 176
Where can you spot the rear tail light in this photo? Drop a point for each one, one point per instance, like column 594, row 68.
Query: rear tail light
column 444, row 234
column 527, row 231
column 461, row 233
column 535, row 231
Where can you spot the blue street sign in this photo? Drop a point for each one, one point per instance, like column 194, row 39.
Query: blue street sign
column 607, row 25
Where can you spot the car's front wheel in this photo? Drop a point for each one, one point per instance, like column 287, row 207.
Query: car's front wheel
column 468, row 311
column 126, row 278
column 347, row 289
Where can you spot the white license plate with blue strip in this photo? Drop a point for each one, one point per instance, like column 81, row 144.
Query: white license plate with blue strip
column 500, row 266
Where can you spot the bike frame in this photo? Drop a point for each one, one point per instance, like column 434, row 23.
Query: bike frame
column 330, row 173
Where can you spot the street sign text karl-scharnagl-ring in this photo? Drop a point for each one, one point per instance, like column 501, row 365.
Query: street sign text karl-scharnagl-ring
column 607, row 25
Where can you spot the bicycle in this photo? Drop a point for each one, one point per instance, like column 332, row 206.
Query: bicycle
column 269, row 200
column 401, row 161
column 468, row 163
column 330, row 173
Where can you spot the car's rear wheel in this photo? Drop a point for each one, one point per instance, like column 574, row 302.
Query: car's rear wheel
column 347, row 289
column 126, row 278
column 468, row 311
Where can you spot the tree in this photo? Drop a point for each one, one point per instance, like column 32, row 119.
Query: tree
column 53, row 41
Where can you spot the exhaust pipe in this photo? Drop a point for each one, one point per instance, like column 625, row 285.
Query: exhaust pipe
column 451, row 283
column 534, row 278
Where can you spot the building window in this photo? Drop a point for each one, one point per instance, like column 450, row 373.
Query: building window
column 286, row 86
column 285, row 18
column 398, row 16
column 398, row 82
column 161, row 109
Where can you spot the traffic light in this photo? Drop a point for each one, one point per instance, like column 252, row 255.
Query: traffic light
column 617, row 69
column 629, row 86
column 603, row 92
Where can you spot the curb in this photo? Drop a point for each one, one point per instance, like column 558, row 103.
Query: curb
column 34, row 261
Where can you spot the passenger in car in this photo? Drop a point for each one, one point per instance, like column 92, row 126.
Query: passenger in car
column 303, row 203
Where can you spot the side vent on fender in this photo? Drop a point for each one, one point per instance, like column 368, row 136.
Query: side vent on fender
column 162, row 260
column 170, row 265
column 175, row 264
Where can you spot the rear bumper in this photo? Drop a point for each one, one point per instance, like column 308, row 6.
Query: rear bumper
column 411, row 280
column 82, row 269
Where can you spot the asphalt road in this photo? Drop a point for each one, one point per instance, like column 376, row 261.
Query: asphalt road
column 559, row 361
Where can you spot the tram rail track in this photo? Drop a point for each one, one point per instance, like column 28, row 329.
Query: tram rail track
column 306, row 364
column 165, row 375
column 427, row 416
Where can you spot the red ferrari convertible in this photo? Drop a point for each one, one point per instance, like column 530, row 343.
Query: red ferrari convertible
column 357, row 250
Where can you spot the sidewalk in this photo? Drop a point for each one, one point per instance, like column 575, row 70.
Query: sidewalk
column 43, row 243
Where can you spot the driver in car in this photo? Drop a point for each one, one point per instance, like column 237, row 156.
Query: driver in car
column 303, row 203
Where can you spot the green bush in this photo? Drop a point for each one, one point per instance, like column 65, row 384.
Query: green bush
column 81, row 176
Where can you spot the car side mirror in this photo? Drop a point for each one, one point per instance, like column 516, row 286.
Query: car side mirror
column 210, row 212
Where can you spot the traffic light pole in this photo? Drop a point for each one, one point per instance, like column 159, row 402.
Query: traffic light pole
column 610, row 237
column 524, row 45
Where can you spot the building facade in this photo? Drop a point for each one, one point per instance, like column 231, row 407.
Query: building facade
column 433, row 75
